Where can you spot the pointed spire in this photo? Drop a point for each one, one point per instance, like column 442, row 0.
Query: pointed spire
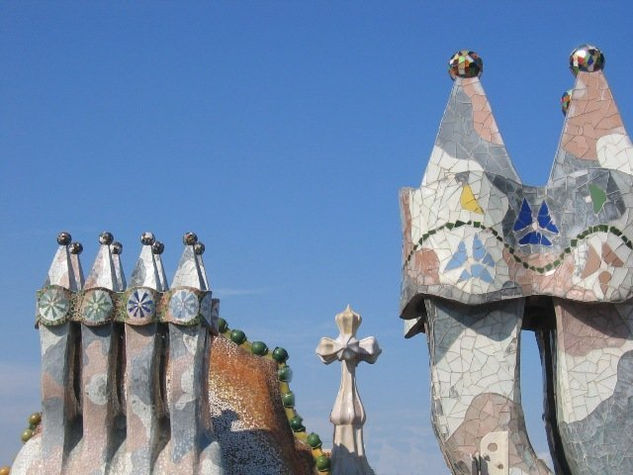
column 157, row 249
column 117, row 250
column 103, row 272
column 75, row 250
column 61, row 270
column 145, row 273
column 593, row 132
column 468, row 138
column 189, row 272
column 199, row 249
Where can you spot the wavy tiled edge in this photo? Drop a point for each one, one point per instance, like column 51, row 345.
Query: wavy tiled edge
column 598, row 228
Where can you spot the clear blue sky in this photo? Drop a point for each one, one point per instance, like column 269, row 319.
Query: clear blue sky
column 280, row 132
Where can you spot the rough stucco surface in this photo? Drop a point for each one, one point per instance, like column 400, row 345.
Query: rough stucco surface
column 248, row 416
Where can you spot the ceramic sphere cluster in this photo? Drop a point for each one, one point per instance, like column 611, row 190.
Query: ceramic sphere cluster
column 585, row 58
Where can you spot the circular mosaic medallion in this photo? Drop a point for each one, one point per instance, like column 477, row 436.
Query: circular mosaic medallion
column 53, row 305
column 140, row 304
column 184, row 306
column 96, row 306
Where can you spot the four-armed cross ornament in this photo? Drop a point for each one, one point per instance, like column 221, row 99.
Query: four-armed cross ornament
column 348, row 415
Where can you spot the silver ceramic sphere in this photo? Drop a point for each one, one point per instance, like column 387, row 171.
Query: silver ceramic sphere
column 106, row 238
column 189, row 239
column 147, row 238
column 199, row 248
column 64, row 238
column 158, row 247
column 76, row 248
column 117, row 247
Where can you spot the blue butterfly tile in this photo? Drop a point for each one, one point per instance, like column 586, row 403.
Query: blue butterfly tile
column 545, row 220
column 459, row 258
column 525, row 217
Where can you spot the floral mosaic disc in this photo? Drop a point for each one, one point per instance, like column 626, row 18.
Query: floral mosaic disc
column 140, row 304
column 97, row 306
column 184, row 306
column 53, row 305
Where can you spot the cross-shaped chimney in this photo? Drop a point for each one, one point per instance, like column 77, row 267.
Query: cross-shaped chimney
column 348, row 414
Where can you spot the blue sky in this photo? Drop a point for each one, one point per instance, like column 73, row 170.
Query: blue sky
column 280, row 132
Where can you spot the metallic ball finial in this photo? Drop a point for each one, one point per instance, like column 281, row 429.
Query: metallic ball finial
column 198, row 248
column 64, row 238
column 158, row 248
column 587, row 58
column 117, row 248
column 106, row 238
column 465, row 64
column 76, row 248
column 189, row 238
column 565, row 100
column 147, row 238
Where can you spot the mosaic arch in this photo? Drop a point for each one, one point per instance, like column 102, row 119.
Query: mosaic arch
column 485, row 256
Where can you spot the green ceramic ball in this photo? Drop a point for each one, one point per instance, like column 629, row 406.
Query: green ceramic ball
column 35, row 418
column 280, row 355
column 323, row 463
column 238, row 336
column 314, row 440
column 285, row 374
column 288, row 399
column 259, row 348
column 26, row 435
column 296, row 424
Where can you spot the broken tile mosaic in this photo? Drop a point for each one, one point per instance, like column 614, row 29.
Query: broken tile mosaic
column 477, row 243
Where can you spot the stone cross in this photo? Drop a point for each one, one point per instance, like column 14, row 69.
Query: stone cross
column 348, row 414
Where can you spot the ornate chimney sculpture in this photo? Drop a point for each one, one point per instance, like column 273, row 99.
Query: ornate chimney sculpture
column 121, row 394
column 99, row 343
column 141, row 379
column 190, row 312
column 348, row 414
column 143, row 404
column 60, row 404
column 485, row 255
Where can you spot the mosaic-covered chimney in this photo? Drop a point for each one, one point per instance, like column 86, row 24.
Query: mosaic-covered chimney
column 125, row 368
column 485, row 255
